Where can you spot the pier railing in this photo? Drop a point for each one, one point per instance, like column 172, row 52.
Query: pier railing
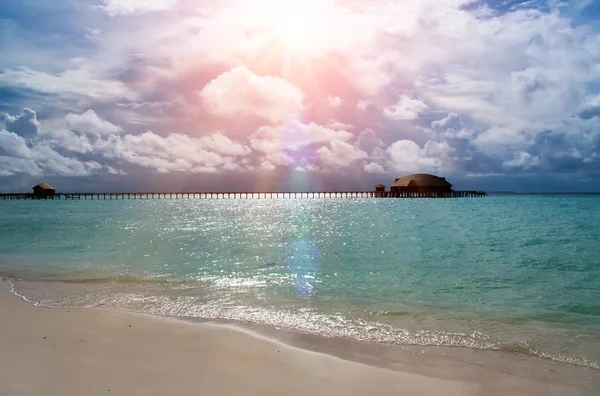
column 242, row 195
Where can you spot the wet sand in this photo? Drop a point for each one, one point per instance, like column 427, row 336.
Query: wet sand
column 102, row 351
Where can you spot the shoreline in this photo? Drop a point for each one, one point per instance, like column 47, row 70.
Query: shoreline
column 150, row 356
column 281, row 330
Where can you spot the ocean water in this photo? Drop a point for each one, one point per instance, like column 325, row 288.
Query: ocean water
column 514, row 273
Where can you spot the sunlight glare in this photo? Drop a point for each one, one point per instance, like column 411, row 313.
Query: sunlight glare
column 300, row 24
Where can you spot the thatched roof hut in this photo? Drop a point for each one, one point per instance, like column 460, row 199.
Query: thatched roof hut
column 421, row 182
column 379, row 188
column 44, row 189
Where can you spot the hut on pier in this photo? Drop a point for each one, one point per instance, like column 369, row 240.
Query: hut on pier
column 43, row 190
column 421, row 183
column 379, row 188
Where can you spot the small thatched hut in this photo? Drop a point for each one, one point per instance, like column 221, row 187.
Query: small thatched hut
column 421, row 183
column 380, row 188
column 43, row 189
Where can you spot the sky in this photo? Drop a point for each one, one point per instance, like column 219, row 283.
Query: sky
column 299, row 95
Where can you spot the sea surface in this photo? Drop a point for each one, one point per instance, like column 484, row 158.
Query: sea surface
column 513, row 273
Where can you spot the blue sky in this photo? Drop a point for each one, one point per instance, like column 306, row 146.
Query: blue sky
column 297, row 95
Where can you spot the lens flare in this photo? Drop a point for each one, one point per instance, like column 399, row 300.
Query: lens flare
column 304, row 258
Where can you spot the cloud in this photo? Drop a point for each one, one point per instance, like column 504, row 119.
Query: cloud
column 590, row 108
column 406, row 156
column 38, row 158
column 72, row 83
column 368, row 141
column 373, row 167
column 129, row 7
column 339, row 154
column 212, row 88
column 497, row 140
column 93, row 145
column 12, row 166
column 452, row 121
column 90, row 123
column 173, row 153
column 267, row 165
column 239, row 92
column 280, row 158
column 405, row 109
column 294, row 136
column 363, row 105
column 221, row 144
column 339, row 126
column 65, row 139
column 25, row 124
column 13, row 145
column 523, row 160
column 335, row 101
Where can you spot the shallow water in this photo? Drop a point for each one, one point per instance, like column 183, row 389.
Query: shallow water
column 518, row 273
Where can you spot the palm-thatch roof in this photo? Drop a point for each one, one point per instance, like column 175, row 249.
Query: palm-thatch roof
column 379, row 186
column 44, row 186
column 421, row 180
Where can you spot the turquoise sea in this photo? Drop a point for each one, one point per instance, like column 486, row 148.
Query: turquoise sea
column 515, row 273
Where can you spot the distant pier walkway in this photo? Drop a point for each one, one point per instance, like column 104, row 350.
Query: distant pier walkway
column 244, row 195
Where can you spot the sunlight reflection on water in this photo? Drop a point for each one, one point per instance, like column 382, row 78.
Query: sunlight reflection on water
column 303, row 257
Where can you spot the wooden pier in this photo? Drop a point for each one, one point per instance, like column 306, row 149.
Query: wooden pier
column 242, row 195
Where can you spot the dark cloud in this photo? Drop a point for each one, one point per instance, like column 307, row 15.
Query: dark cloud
column 25, row 124
column 590, row 109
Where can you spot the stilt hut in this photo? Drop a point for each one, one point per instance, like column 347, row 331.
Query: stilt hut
column 421, row 183
column 43, row 190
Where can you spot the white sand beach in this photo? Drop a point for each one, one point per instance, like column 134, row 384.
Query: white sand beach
column 68, row 352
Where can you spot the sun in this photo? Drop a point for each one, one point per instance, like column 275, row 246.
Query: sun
column 298, row 23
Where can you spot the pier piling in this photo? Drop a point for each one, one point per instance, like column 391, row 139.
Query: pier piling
column 244, row 195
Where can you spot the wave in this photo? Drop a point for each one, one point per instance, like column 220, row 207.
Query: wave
column 305, row 320
column 116, row 279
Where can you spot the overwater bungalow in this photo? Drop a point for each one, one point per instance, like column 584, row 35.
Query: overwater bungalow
column 43, row 190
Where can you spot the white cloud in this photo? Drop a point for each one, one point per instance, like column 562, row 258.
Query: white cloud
column 368, row 141
column 373, row 167
column 590, row 108
column 221, row 144
column 405, row 109
column 523, row 160
column 114, row 171
column 77, row 82
column 175, row 152
column 15, row 166
column 280, row 158
column 90, row 123
column 239, row 92
column 267, row 165
column 27, row 151
column 340, row 154
column 372, row 75
column 293, row 136
column 452, row 121
column 39, row 158
column 363, row 105
column 24, row 124
column 93, row 145
column 335, row 101
column 93, row 34
column 340, row 126
column 128, row 7
column 13, row 145
column 407, row 157
column 497, row 140
column 67, row 140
